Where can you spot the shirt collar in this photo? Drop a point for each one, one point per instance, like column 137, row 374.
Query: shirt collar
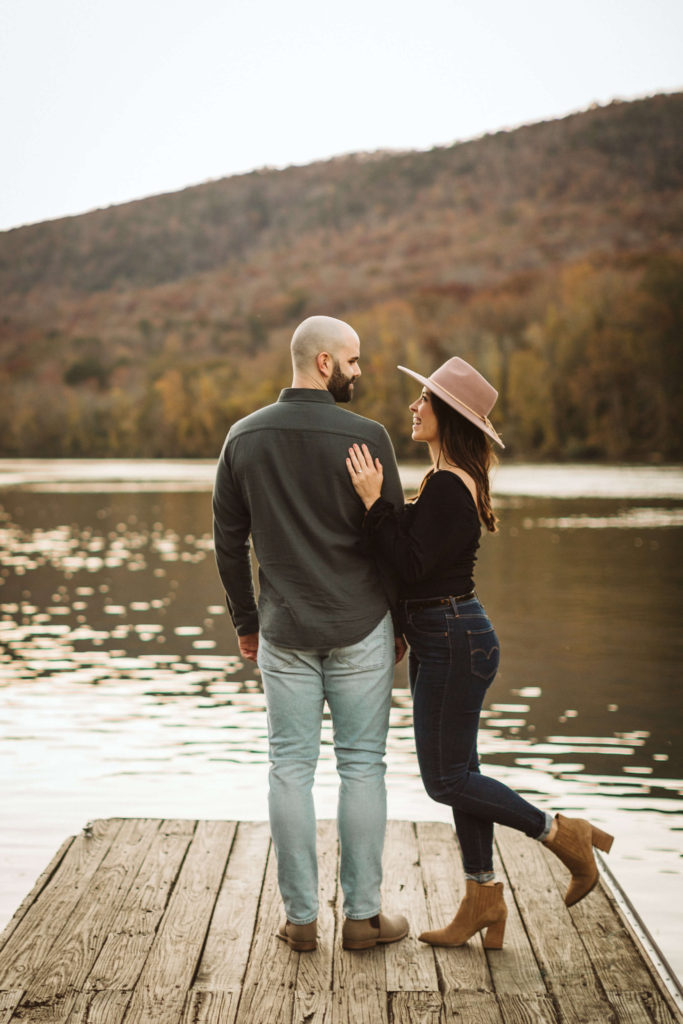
column 305, row 395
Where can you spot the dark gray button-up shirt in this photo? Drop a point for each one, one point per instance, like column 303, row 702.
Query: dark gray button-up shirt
column 282, row 479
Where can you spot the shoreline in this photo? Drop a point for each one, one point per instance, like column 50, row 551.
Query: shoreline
column 514, row 479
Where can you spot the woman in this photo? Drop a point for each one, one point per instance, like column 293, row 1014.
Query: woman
column 431, row 543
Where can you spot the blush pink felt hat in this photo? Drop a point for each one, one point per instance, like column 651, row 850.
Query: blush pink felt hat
column 463, row 388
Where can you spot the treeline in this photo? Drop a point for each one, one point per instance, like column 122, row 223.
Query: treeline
column 589, row 364
column 550, row 257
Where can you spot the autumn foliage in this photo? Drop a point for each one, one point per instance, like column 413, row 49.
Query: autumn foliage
column 549, row 256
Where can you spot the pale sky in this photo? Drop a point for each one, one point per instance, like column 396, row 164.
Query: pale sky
column 103, row 101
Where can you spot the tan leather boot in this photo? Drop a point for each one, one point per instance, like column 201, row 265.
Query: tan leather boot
column 482, row 907
column 373, row 931
column 301, row 937
column 573, row 844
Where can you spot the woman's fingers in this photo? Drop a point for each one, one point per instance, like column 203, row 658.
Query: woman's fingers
column 366, row 474
column 368, row 457
column 362, row 456
column 361, row 461
column 354, row 458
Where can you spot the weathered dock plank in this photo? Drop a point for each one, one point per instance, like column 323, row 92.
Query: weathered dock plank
column 173, row 922
column 31, row 940
column 66, row 966
column 514, row 969
column 135, row 925
column 106, row 1007
column 167, row 976
column 203, row 1007
column 226, row 951
column 270, row 978
column 9, row 1001
column 31, row 897
column 409, row 967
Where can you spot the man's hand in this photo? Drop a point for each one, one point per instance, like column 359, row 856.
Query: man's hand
column 248, row 645
column 400, row 648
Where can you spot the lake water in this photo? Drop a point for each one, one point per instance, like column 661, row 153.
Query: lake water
column 123, row 693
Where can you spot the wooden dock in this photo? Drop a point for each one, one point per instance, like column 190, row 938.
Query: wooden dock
column 172, row 922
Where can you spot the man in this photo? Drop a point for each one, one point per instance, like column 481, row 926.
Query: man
column 323, row 630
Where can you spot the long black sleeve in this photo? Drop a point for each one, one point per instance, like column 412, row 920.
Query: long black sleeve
column 231, row 528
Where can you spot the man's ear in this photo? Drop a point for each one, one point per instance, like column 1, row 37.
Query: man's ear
column 324, row 362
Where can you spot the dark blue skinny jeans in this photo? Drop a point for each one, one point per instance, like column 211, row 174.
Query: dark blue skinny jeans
column 454, row 656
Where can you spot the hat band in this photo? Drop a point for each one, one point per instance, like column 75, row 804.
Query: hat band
column 469, row 408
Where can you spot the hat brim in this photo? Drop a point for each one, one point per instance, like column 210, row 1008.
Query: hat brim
column 454, row 404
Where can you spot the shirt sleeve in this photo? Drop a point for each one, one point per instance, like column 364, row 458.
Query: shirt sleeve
column 231, row 530
column 416, row 539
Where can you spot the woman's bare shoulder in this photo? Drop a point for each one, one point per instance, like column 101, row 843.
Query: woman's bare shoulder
column 468, row 480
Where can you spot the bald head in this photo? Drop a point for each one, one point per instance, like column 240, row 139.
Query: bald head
column 319, row 334
column 322, row 349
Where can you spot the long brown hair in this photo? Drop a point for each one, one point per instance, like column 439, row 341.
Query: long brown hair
column 467, row 447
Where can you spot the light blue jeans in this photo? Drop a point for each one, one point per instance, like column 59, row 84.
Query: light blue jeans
column 356, row 683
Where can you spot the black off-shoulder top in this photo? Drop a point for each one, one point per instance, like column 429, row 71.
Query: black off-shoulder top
column 431, row 543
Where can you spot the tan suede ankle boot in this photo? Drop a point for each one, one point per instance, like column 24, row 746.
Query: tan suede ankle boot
column 482, row 907
column 573, row 844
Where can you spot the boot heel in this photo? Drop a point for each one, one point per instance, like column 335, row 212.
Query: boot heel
column 601, row 840
column 494, row 935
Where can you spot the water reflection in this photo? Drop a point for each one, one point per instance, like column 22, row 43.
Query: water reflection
column 577, row 620
column 124, row 693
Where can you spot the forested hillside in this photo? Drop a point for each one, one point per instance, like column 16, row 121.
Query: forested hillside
column 550, row 256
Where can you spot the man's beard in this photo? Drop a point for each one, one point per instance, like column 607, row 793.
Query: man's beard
column 339, row 386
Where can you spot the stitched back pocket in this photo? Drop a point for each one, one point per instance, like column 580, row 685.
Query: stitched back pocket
column 484, row 652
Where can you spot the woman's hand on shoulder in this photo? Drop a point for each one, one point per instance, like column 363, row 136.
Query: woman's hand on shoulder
column 366, row 475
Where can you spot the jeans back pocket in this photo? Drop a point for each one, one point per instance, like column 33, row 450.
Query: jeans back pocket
column 484, row 652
